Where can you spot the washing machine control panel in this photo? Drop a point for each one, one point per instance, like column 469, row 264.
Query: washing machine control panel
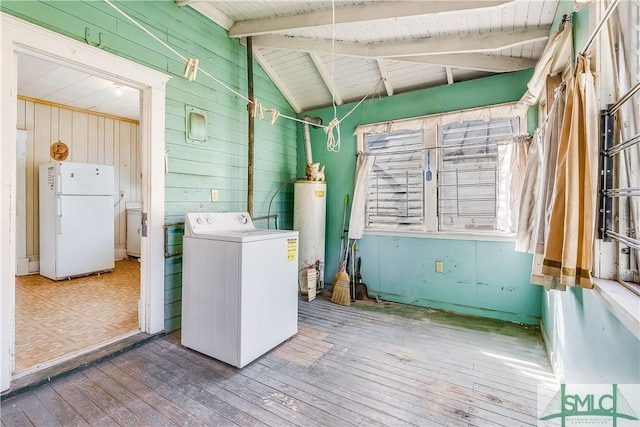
column 196, row 223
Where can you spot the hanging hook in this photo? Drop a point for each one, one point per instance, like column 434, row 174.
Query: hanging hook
column 89, row 42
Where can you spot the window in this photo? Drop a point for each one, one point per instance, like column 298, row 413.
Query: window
column 620, row 189
column 444, row 176
column 468, row 175
column 396, row 194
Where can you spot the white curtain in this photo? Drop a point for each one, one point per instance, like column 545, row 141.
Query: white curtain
column 555, row 58
column 529, row 195
column 364, row 166
column 512, row 161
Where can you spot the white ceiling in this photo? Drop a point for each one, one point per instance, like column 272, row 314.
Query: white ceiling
column 320, row 51
column 388, row 47
column 47, row 81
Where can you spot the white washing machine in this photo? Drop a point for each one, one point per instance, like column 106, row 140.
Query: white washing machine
column 239, row 287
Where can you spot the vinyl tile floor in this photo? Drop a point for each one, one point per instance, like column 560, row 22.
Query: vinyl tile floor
column 55, row 319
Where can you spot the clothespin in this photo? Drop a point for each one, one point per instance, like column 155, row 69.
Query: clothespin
column 194, row 71
column 190, row 69
column 274, row 115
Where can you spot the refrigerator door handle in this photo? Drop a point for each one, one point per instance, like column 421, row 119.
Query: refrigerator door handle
column 59, row 183
column 59, row 213
column 143, row 220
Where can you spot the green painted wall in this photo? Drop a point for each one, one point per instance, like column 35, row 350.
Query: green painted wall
column 587, row 342
column 193, row 169
column 480, row 278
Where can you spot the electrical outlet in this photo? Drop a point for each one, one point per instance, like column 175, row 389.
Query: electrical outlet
column 438, row 266
column 214, row 195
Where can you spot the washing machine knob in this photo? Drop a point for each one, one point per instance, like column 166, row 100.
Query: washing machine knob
column 210, row 220
column 199, row 220
column 244, row 219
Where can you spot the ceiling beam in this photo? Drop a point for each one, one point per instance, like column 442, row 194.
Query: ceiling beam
column 488, row 42
column 471, row 61
column 277, row 80
column 209, row 10
column 359, row 13
column 327, row 78
column 385, row 77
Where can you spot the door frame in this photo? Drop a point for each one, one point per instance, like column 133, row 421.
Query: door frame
column 18, row 36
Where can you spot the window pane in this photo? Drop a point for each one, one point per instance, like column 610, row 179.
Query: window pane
column 468, row 178
column 395, row 196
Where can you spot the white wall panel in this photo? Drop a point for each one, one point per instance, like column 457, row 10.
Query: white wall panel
column 92, row 138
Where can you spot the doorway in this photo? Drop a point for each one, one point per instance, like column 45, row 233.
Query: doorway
column 96, row 121
column 20, row 37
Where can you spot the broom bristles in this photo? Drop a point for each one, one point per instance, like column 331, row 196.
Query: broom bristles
column 340, row 290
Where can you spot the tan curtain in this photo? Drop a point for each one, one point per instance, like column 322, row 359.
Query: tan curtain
column 569, row 248
column 550, row 141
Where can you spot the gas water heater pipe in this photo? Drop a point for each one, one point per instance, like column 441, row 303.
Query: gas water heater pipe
column 307, row 136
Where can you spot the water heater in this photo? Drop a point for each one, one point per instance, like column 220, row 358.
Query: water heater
column 309, row 219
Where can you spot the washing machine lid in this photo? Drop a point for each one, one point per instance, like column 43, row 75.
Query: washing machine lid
column 244, row 236
column 229, row 227
column 208, row 222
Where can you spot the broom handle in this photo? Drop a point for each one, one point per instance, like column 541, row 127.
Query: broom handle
column 344, row 221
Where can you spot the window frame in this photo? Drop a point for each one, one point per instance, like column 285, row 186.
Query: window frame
column 431, row 127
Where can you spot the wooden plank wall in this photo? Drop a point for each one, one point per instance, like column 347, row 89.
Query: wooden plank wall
column 194, row 169
column 91, row 138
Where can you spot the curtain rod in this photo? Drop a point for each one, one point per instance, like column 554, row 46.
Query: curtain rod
column 595, row 32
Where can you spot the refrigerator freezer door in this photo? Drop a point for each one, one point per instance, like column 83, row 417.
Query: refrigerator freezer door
column 84, row 178
column 85, row 235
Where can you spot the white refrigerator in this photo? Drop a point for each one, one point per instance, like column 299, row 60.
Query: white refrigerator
column 76, row 219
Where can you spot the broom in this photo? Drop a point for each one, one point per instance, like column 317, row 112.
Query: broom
column 340, row 289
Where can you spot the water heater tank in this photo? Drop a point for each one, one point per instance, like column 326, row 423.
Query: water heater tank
column 309, row 219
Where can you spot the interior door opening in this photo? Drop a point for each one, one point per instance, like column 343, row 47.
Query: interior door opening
column 90, row 120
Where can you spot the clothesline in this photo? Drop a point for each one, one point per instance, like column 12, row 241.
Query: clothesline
column 192, row 68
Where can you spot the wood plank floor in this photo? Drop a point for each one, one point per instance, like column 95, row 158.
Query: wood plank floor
column 378, row 365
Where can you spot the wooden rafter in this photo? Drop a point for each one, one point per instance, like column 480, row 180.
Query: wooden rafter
column 277, row 80
column 327, row 78
column 472, row 61
column 385, row 77
column 483, row 43
column 359, row 13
